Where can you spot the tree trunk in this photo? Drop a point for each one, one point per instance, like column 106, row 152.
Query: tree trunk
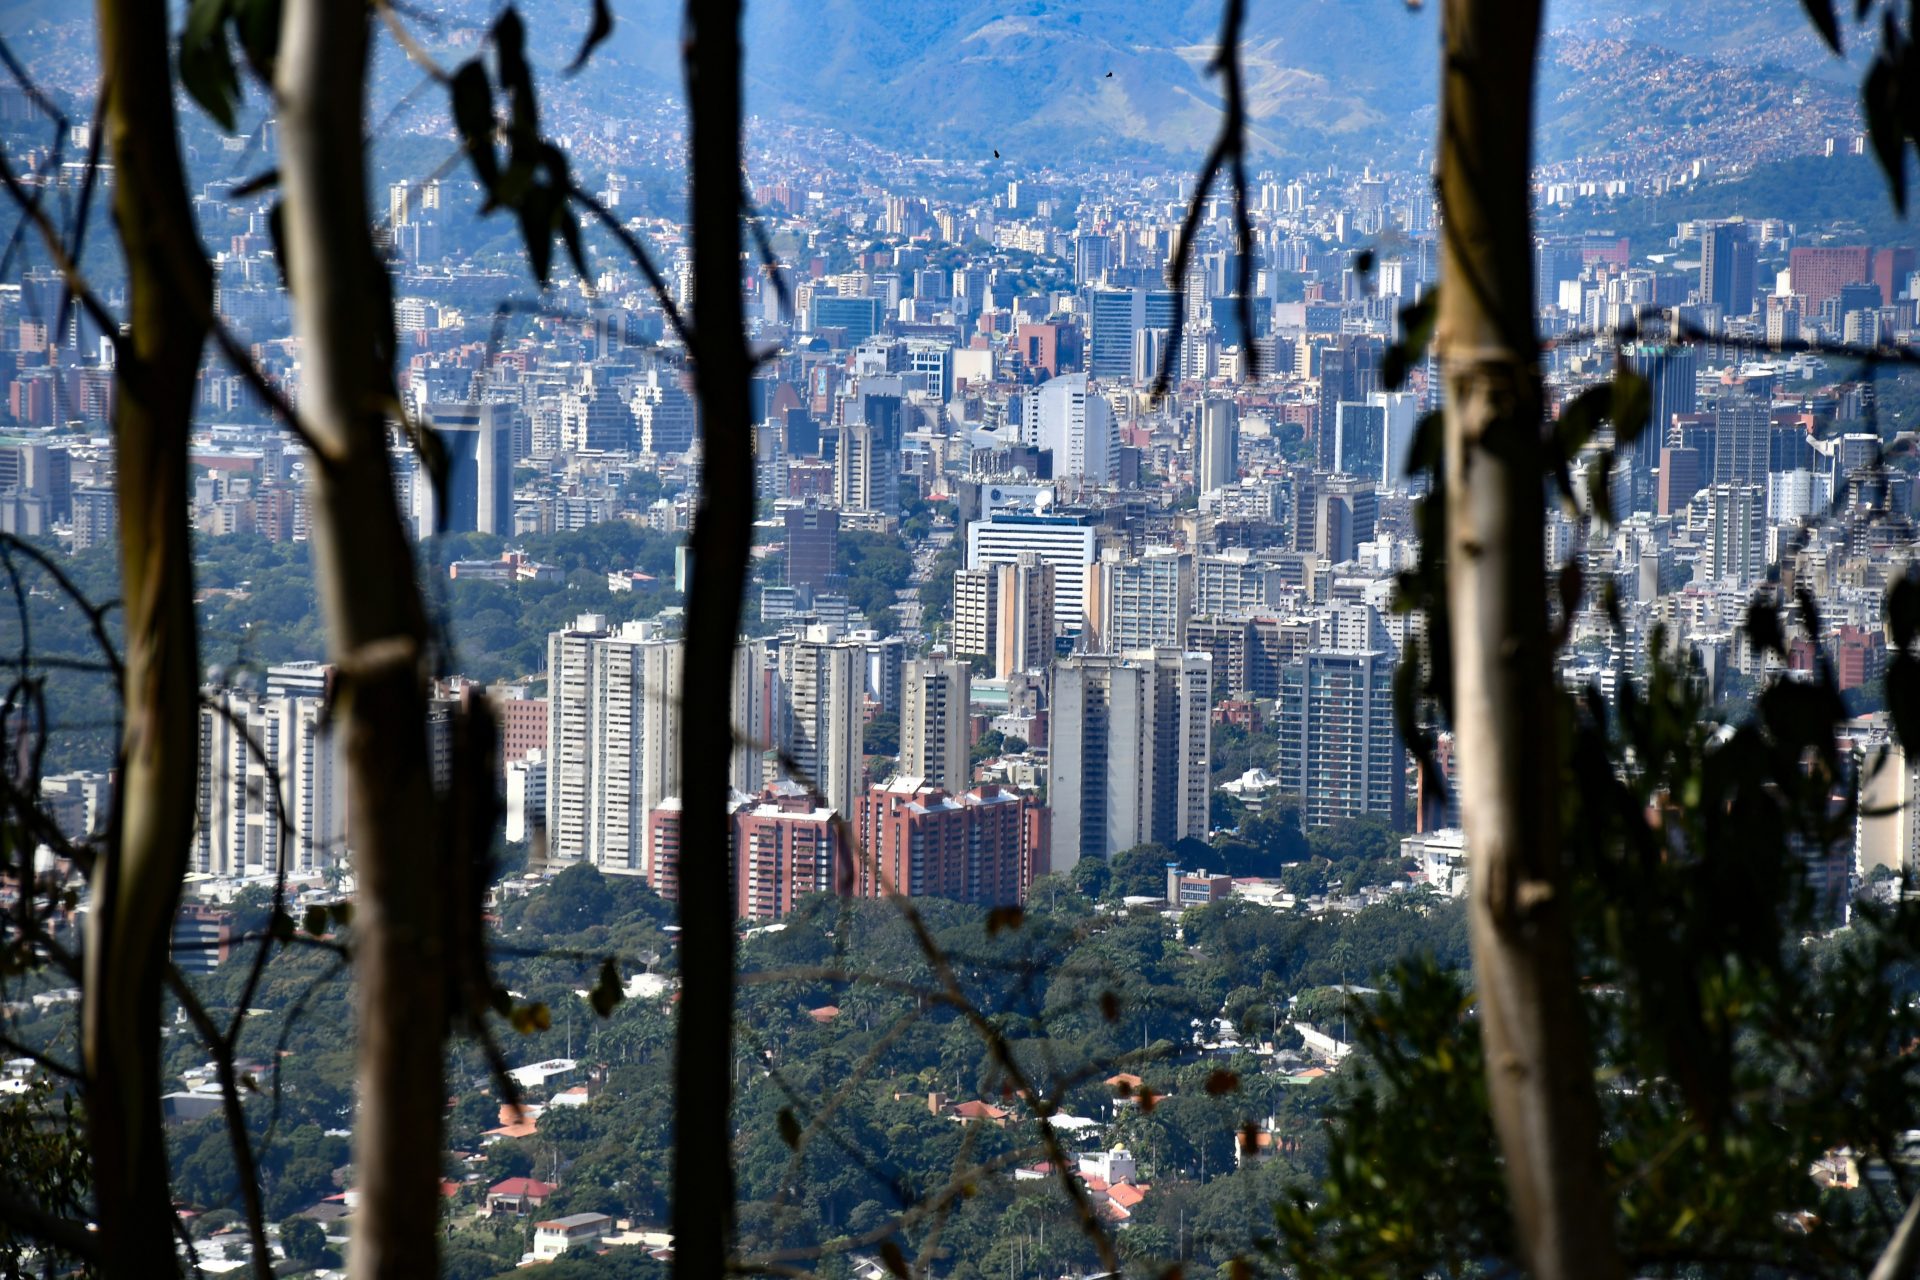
column 1539, row 1071
column 377, row 636
column 136, row 886
column 703, row 1193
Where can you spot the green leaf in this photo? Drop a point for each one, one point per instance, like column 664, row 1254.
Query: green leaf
column 600, row 29
column 789, row 1128
column 1880, row 99
column 894, row 1261
column 1903, row 699
column 529, row 1018
column 256, row 184
column 1416, row 331
column 1820, row 12
column 206, row 65
column 1600, row 490
column 1427, row 453
column 1903, row 610
column 1763, row 626
column 257, row 22
column 1632, row 406
column 607, row 991
column 281, row 926
column 277, row 232
column 473, row 117
column 315, row 921
column 1581, row 419
column 1004, row 918
column 536, row 209
column 570, row 237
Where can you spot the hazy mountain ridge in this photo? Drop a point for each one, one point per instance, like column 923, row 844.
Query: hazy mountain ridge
column 1344, row 81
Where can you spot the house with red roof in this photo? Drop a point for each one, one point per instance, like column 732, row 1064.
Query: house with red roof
column 518, row 1196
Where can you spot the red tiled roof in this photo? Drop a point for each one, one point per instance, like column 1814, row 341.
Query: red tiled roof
column 520, row 1187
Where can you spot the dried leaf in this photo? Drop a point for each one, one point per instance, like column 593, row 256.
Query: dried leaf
column 600, row 28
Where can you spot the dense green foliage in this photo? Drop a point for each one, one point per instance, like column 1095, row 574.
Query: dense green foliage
column 1077, row 992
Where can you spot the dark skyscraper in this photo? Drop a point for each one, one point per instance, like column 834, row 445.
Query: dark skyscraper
column 813, row 545
column 1726, row 268
column 1743, row 440
column 478, row 492
column 1669, row 371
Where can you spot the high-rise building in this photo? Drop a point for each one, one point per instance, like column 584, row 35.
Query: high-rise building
column 1400, row 419
column 1680, row 479
column 886, row 670
column 865, row 471
column 975, row 618
column 933, row 360
column 1005, row 614
column 1128, row 744
column 1062, row 416
column 1064, row 542
column 666, row 416
column 1340, row 751
column 95, row 517
column 859, row 317
column 613, row 707
column 595, row 418
column 273, row 786
column 786, row 847
column 1742, row 440
column 983, row 846
column 1333, row 515
column 934, row 725
column 1116, row 317
column 1819, row 272
column 523, row 722
column 1234, row 584
column 478, row 496
column 1216, row 454
column 1887, row 825
column 813, row 544
column 1140, row 603
column 1736, row 547
column 527, row 797
column 1726, row 268
column 824, row 682
column 1669, row 373
column 1360, row 439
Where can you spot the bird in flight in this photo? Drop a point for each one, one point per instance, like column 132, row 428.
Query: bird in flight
column 996, row 153
column 1109, row 75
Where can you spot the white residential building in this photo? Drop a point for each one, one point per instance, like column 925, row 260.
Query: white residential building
column 1078, row 426
column 1129, row 751
column 934, row 726
column 824, row 680
column 1061, row 541
column 613, row 750
column 272, row 787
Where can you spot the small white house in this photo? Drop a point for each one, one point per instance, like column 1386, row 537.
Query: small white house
column 544, row 1075
column 1116, row 1165
column 557, row 1235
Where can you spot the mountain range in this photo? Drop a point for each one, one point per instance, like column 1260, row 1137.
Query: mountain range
column 1327, row 80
